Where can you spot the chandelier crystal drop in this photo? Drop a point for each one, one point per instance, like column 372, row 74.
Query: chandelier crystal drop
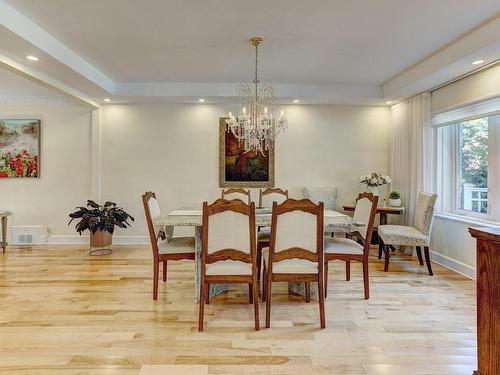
column 257, row 125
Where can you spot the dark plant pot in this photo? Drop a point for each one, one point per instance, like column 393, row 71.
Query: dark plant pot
column 101, row 238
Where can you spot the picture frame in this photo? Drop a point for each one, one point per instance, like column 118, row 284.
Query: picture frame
column 20, row 147
column 239, row 168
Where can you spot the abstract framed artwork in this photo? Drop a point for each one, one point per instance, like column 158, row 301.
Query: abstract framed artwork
column 19, row 148
column 240, row 168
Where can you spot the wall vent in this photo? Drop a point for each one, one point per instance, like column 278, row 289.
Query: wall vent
column 26, row 235
column 25, row 238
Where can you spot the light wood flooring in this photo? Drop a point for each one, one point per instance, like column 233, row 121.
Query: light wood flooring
column 64, row 312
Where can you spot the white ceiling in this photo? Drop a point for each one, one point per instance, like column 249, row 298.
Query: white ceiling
column 313, row 41
column 323, row 47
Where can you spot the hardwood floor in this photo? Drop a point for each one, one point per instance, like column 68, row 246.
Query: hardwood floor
column 64, row 312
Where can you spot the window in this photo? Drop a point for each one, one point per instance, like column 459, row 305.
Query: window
column 472, row 165
column 467, row 173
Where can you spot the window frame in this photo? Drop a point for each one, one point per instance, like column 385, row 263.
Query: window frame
column 446, row 169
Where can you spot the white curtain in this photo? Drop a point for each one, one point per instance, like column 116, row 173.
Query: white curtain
column 411, row 151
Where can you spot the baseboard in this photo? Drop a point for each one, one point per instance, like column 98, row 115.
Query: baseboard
column 83, row 240
column 454, row 265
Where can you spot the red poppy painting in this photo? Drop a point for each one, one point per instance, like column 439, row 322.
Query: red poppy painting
column 241, row 168
column 19, row 148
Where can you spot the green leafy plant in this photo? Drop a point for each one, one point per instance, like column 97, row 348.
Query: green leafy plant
column 394, row 195
column 95, row 217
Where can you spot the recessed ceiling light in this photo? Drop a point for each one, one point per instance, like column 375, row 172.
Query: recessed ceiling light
column 32, row 58
column 201, row 100
column 107, row 100
column 388, row 102
column 296, row 101
column 477, row 62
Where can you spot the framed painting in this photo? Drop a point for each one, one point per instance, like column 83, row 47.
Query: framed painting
column 240, row 168
column 19, row 148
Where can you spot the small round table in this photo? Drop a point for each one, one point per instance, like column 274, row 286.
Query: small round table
column 3, row 217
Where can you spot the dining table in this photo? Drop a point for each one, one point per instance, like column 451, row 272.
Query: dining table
column 333, row 222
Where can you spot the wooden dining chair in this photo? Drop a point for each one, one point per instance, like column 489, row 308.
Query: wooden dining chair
column 237, row 193
column 266, row 199
column 295, row 250
column 357, row 246
column 228, row 250
column 165, row 247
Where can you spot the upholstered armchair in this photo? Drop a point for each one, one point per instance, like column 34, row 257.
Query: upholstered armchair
column 419, row 235
column 327, row 195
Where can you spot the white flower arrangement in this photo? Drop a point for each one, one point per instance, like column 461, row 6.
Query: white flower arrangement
column 375, row 179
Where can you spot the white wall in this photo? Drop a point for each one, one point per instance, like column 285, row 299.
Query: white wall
column 453, row 246
column 65, row 168
column 173, row 150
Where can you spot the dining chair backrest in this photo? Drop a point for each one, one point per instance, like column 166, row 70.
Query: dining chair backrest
column 326, row 195
column 270, row 195
column 424, row 213
column 365, row 211
column 297, row 231
column 237, row 193
column 153, row 212
column 228, row 231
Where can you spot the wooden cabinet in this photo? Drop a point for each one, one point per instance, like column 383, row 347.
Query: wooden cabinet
column 488, row 299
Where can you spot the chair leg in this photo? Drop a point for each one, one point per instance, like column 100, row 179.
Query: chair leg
column 321, row 302
column 250, row 293
column 259, row 260
column 428, row 259
column 419, row 255
column 268, row 300
column 366, row 279
column 387, row 256
column 347, row 270
column 255, row 293
column 207, row 294
column 380, row 247
column 164, row 271
column 264, row 283
column 156, row 271
column 326, row 279
column 203, row 294
column 307, row 297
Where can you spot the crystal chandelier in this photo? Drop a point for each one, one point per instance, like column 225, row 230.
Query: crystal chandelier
column 257, row 125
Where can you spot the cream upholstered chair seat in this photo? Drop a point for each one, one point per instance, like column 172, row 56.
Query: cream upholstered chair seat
column 403, row 235
column 291, row 265
column 229, row 267
column 343, row 246
column 176, row 245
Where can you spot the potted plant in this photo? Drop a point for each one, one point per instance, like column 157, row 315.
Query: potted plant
column 100, row 221
column 374, row 180
column 395, row 199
